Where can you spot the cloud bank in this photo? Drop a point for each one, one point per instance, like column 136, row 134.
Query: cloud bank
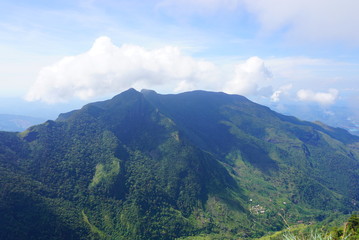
column 324, row 98
column 106, row 68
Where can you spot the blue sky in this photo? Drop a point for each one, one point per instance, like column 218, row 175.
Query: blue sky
column 274, row 51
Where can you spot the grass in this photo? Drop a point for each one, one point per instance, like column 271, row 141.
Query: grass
column 289, row 231
column 93, row 228
column 105, row 172
column 314, row 235
column 290, row 235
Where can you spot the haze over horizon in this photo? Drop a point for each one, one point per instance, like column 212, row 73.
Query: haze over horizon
column 59, row 54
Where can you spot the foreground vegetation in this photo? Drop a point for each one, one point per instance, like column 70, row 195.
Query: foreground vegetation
column 348, row 231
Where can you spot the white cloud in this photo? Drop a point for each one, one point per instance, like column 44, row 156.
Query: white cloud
column 278, row 93
column 324, row 98
column 310, row 20
column 106, row 68
column 249, row 77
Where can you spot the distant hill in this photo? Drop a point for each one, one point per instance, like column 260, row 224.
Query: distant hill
column 338, row 115
column 149, row 166
column 17, row 123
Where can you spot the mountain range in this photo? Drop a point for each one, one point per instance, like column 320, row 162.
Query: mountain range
column 195, row 165
column 338, row 115
column 16, row 123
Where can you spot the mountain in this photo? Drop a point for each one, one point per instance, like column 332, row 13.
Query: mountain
column 339, row 115
column 17, row 123
column 149, row 166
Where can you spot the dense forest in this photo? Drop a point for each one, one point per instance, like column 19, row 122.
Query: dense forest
column 196, row 165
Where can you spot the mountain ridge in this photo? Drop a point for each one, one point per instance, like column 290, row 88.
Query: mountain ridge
column 148, row 166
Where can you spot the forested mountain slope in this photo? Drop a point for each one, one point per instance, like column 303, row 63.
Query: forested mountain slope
column 149, row 166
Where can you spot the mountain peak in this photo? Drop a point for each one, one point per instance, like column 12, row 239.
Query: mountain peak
column 171, row 166
column 128, row 92
column 148, row 91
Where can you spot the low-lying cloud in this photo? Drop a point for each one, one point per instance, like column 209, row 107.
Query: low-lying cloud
column 283, row 90
column 248, row 77
column 106, row 68
column 324, row 98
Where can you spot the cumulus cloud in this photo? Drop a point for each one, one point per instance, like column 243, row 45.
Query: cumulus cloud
column 324, row 98
column 109, row 69
column 249, row 77
column 278, row 93
column 106, row 68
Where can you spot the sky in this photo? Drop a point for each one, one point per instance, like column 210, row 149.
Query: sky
column 56, row 55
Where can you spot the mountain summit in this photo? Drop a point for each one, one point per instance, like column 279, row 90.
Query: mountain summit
column 149, row 166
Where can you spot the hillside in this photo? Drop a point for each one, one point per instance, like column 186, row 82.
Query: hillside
column 149, row 166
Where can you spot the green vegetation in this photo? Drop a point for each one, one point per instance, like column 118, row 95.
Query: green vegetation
column 349, row 231
column 93, row 228
column 105, row 173
column 197, row 165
